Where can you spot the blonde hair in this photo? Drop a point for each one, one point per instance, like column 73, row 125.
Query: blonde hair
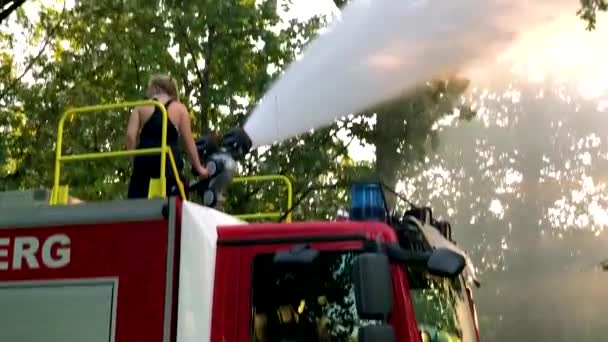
column 162, row 83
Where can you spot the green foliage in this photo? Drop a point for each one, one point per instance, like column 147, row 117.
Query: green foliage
column 589, row 10
column 104, row 51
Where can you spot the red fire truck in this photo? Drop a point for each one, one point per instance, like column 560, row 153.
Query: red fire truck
column 167, row 269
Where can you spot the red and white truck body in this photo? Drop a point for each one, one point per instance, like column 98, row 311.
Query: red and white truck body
column 141, row 258
column 167, row 271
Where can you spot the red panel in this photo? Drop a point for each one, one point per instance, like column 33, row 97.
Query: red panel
column 135, row 252
column 224, row 318
column 403, row 317
column 306, row 229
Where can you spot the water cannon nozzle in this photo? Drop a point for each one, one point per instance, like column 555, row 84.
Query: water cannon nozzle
column 237, row 142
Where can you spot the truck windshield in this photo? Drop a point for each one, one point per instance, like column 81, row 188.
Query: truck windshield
column 441, row 307
column 313, row 302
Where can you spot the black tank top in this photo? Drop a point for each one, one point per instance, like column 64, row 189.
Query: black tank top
column 151, row 136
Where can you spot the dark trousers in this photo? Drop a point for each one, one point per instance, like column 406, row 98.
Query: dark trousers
column 145, row 169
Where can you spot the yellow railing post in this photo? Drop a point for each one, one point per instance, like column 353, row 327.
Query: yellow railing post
column 264, row 178
column 163, row 150
column 58, row 149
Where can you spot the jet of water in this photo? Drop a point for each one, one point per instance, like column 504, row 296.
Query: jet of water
column 386, row 48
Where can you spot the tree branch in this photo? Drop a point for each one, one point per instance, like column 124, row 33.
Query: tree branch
column 204, row 100
column 47, row 40
column 204, row 76
column 137, row 77
column 340, row 3
column 199, row 74
column 188, row 88
column 5, row 13
column 136, row 66
column 589, row 10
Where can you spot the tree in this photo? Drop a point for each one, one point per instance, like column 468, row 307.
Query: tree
column 405, row 128
column 523, row 188
column 103, row 52
column 406, row 131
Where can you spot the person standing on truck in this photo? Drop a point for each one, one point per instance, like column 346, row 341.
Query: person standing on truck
column 144, row 130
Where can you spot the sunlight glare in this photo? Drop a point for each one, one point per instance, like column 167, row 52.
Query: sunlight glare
column 564, row 52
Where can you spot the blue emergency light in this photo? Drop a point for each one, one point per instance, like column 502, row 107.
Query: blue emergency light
column 368, row 202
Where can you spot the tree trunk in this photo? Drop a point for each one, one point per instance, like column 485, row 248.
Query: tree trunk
column 204, row 98
column 387, row 161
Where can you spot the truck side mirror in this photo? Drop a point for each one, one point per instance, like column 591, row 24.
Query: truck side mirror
column 373, row 296
column 380, row 333
column 445, row 262
column 373, row 287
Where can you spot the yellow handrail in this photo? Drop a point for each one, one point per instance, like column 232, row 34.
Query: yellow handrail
column 264, row 178
column 163, row 149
